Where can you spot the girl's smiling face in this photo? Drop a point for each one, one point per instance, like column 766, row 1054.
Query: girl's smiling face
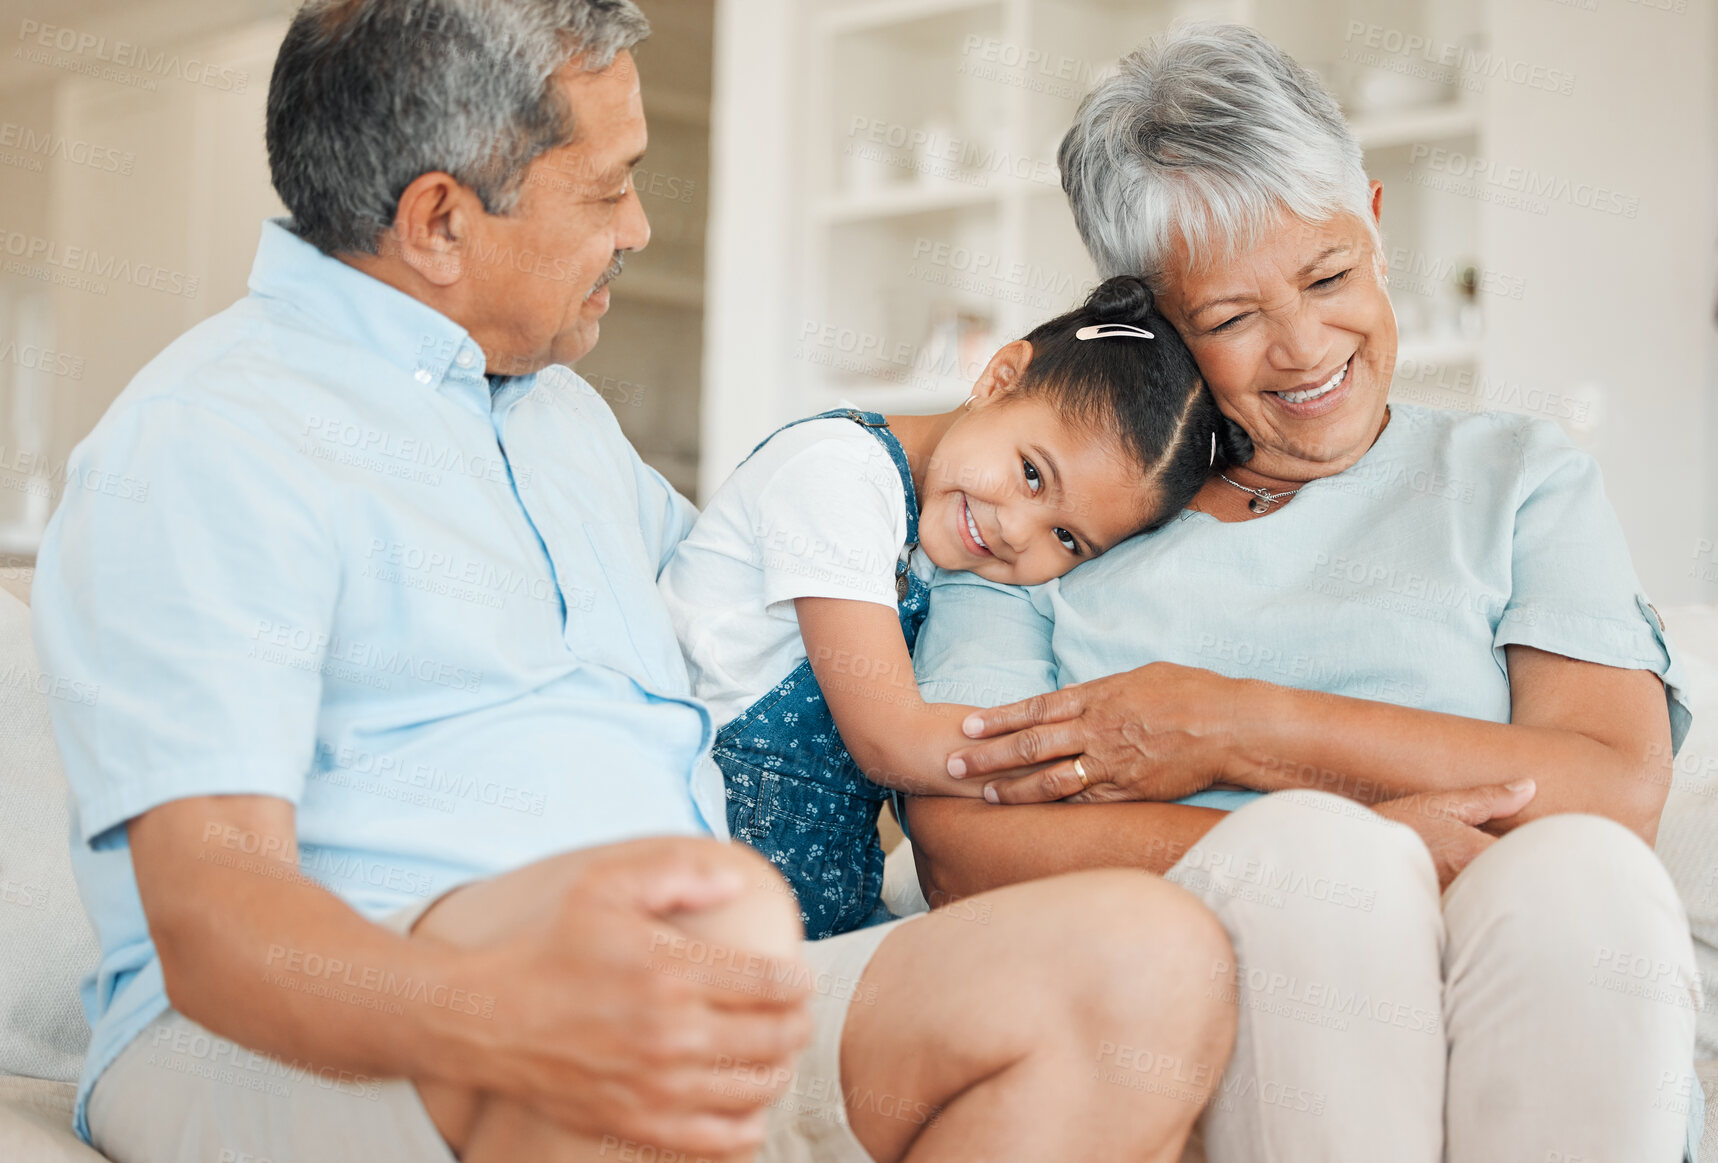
column 1017, row 493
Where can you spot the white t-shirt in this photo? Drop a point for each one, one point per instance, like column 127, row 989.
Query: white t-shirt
column 818, row 512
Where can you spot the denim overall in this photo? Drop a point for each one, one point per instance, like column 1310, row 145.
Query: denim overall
column 794, row 793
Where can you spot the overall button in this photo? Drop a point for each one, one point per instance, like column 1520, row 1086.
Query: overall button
column 465, row 358
column 422, row 375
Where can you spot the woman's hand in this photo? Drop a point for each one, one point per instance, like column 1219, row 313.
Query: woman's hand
column 1160, row 732
column 1449, row 821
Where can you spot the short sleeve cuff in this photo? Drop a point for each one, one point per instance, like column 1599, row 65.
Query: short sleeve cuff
column 789, row 585
column 1634, row 644
column 999, row 688
column 100, row 816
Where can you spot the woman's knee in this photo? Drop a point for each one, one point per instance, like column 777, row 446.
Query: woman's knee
column 1569, row 850
column 1315, row 847
column 1570, row 886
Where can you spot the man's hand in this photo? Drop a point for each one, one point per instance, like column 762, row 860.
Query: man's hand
column 1155, row 733
column 1449, row 821
column 623, row 1016
column 650, row 989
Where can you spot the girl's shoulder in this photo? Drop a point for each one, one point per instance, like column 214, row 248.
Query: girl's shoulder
column 831, row 466
column 831, row 435
column 823, row 455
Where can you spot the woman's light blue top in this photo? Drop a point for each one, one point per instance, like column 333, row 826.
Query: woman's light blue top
column 1400, row 580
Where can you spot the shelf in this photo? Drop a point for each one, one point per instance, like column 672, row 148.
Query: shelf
column 662, row 290
column 1434, row 349
column 903, row 199
column 1407, row 126
column 871, row 395
column 882, row 14
column 679, row 108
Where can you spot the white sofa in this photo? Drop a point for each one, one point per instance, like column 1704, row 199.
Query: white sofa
column 46, row 943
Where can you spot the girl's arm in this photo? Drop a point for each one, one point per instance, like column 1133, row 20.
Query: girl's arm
column 861, row 662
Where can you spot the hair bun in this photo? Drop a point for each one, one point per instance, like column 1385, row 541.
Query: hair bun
column 1234, row 446
column 1123, row 299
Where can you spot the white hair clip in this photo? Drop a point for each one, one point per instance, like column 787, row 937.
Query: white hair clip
column 1106, row 330
column 1213, row 450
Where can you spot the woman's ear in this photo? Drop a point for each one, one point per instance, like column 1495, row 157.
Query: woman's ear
column 1003, row 371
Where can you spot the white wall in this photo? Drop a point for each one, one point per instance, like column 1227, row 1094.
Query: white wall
column 1621, row 305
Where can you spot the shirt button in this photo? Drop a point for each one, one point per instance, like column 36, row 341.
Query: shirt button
column 422, row 375
column 465, row 359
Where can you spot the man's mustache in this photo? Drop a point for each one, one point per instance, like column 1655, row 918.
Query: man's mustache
column 611, row 274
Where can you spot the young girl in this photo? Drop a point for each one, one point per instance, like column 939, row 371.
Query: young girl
column 799, row 592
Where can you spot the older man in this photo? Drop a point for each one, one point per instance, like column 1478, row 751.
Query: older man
column 394, row 812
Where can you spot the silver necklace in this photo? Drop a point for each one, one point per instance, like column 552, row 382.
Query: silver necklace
column 1263, row 499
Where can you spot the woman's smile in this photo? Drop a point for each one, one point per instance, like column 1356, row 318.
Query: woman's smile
column 1318, row 398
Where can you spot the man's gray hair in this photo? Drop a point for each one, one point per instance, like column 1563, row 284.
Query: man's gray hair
column 368, row 95
column 1207, row 133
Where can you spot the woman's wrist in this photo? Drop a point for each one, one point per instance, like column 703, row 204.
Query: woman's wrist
column 1251, row 743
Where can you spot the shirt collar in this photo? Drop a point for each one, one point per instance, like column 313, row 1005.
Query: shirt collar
column 350, row 304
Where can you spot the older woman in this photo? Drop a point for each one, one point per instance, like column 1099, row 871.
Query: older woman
column 1430, row 613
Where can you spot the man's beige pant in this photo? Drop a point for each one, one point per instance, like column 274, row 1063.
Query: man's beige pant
column 1541, row 1012
column 180, row 1094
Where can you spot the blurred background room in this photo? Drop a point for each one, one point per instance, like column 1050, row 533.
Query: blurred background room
column 858, row 200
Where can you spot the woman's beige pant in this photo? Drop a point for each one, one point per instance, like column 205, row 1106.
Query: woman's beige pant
column 1541, row 1012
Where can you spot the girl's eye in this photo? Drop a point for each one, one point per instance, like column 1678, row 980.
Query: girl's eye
column 1333, row 280
column 1067, row 540
column 1033, row 480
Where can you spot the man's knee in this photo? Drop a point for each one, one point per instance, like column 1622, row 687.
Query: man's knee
column 763, row 917
column 1146, row 970
column 1120, row 931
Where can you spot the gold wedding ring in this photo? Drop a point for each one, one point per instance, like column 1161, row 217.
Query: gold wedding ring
column 1080, row 770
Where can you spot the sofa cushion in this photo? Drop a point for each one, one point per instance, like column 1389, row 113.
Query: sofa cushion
column 1688, row 830
column 16, row 574
column 46, row 944
column 36, row 1123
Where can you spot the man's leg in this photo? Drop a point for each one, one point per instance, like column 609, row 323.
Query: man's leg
column 1062, row 1019
column 488, row 1129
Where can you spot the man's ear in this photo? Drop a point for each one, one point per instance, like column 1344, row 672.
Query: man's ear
column 1003, row 371
column 432, row 228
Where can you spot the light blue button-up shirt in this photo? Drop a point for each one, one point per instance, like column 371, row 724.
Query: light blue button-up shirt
column 338, row 567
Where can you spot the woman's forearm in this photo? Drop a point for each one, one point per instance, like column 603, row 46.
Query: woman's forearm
column 1608, row 764
column 964, row 846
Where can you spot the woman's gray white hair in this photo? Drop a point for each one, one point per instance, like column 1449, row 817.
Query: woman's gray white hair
column 1207, row 133
column 368, row 95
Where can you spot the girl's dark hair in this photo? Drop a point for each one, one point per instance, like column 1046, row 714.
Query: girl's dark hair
column 1146, row 391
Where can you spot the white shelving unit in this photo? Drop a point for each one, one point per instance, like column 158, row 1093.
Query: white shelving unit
column 923, row 222
column 648, row 365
